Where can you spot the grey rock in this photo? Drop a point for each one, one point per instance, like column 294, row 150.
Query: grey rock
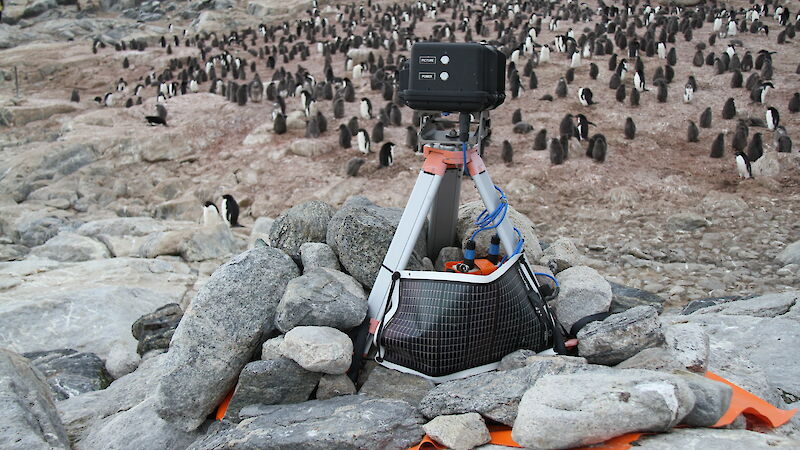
column 138, row 427
column 154, row 330
column 317, row 254
column 13, row 252
column 346, row 422
column 653, row 358
column 459, row 432
column 232, row 310
column 70, row 373
column 626, row 297
column 306, row 222
column 561, row 255
column 620, row 336
column 448, row 254
column 388, row 383
column 599, row 406
column 523, row 357
column 689, row 346
column 121, row 361
column 322, row 297
column 260, row 230
column 583, row 292
column 495, row 395
column 334, row 386
column 713, row 439
column 687, row 221
column 701, row 303
column 770, row 305
column 468, row 212
column 208, row 243
column 271, row 382
column 271, row 348
column 712, row 400
column 27, row 412
column 318, row 349
column 68, row 246
column 121, row 226
column 790, row 254
column 360, row 234
column 309, row 147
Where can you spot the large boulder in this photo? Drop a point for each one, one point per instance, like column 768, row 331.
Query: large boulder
column 219, row 333
column 306, row 222
column 87, row 306
column 346, row 422
column 70, row 373
column 360, row 234
column 790, row 254
column 388, row 383
column 583, row 292
column 322, row 297
column 620, row 336
column 70, row 247
column 711, row 439
column 468, row 212
column 599, row 406
column 28, row 416
column 496, row 395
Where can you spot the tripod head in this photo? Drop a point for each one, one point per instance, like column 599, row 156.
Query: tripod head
column 436, row 128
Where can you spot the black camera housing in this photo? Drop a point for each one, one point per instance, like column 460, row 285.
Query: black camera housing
column 464, row 77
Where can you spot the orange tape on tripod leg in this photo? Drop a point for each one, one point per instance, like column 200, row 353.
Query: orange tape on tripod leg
column 755, row 408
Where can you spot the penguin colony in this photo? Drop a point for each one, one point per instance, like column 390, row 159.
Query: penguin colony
column 621, row 55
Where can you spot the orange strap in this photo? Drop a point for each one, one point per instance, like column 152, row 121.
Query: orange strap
column 223, row 407
column 757, row 411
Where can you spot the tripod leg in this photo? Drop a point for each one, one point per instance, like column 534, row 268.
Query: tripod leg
column 443, row 216
column 508, row 237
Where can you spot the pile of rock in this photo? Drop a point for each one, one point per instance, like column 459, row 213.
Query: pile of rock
column 273, row 328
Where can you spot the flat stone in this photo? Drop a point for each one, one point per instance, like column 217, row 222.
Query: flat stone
column 318, row 349
column 334, row 386
column 713, row 439
column 626, row 297
column 458, row 432
column 388, row 383
column 620, row 336
column 70, row 373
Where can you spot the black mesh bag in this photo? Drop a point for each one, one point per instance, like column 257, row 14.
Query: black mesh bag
column 444, row 325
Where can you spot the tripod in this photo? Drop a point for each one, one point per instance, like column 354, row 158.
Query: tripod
column 435, row 198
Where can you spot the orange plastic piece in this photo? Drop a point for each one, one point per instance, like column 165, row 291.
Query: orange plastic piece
column 483, row 266
column 754, row 408
column 223, row 407
column 438, row 160
column 501, row 435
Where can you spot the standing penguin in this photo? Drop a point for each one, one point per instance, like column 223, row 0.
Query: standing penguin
column 729, row 109
column 344, row 136
column 411, row 138
column 377, row 132
column 366, row 109
column 662, row 92
column 598, row 148
column 561, row 88
column 312, row 128
column 507, row 153
column 688, row 93
column 540, row 141
column 230, row 210
column 567, row 126
column 693, row 133
column 755, row 149
column 362, row 138
column 585, row 96
column 635, row 97
column 705, row 118
column 352, row 124
column 279, row 124
column 718, row 146
column 759, row 93
column 338, row 108
column 76, row 97
column 630, row 128
column 743, row 166
column 386, row 155
column 211, row 216
column 620, row 95
column 556, row 152
column 353, row 165
column 773, row 118
column 583, row 127
column 516, row 117
column 794, row 103
column 736, row 79
column 594, row 71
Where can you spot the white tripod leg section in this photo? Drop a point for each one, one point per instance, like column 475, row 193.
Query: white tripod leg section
column 491, row 198
column 403, row 242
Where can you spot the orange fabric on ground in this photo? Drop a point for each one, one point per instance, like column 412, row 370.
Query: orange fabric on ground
column 223, row 407
column 755, row 408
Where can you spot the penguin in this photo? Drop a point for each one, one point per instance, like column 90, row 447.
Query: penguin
column 598, row 148
column 639, row 81
column 693, row 133
column 344, row 136
column 322, row 122
column 705, row 118
column 279, row 124
column 662, row 92
column 567, row 127
column 756, row 148
column 362, row 138
column 540, row 141
column 736, row 79
column 155, row 120
column 561, row 88
column 507, row 153
column 739, row 141
column 688, row 93
column 718, row 146
column 698, row 59
column 630, row 128
column 516, row 116
column 773, row 118
column 743, row 166
column 230, row 210
column 784, row 144
column 211, row 216
column 620, row 95
column 312, row 128
column 759, row 93
column 614, row 82
column 794, row 103
column 353, row 165
column 76, row 97
column 377, row 132
column 352, row 124
column 594, row 71
column 729, row 109
column 338, row 108
column 556, row 152
column 411, row 138
column 386, row 155
column 108, row 99
column 585, row 96
column 583, row 127
column 366, row 109
column 522, row 128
